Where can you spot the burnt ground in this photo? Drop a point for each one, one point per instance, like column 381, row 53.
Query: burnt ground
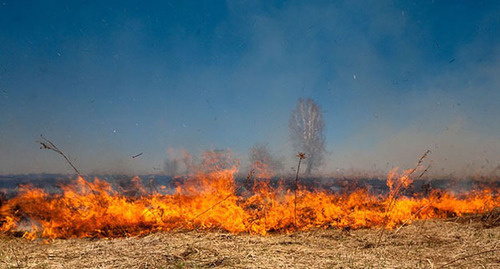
column 467, row 242
column 151, row 183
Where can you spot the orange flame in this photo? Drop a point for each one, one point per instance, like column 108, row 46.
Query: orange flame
column 209, row 200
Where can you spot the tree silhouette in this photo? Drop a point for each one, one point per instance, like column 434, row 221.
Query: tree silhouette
column 307, row 127
column 263, row 162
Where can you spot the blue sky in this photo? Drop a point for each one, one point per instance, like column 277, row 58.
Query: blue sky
column 107, row 80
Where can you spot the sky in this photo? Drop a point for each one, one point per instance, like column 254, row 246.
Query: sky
column 107, row 80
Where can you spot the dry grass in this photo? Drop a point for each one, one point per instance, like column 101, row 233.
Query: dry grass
column 462, row 243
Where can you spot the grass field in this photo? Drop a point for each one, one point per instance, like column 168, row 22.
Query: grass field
column 467, row 242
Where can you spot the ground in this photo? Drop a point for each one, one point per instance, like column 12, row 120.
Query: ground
column 462, row 243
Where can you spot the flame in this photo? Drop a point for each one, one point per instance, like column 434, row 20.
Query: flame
column 210, row 199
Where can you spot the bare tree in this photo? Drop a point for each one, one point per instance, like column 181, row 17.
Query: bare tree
column 178, row 163
column 218, row 159
column 171, row 167
column 263, row 161
column 187, row 160
column 307, row 132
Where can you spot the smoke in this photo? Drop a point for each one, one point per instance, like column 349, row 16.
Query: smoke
column 179, row 162
column 456, row 151
column 391, row 93
column 393, row 80
column 263, row 162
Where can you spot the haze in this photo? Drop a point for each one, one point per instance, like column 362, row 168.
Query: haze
column 107, row 81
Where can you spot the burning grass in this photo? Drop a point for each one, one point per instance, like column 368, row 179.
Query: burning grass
column 212, row 201
column 464, row 242
column 213, row 221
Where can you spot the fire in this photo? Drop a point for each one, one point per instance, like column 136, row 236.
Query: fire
column 211, row 199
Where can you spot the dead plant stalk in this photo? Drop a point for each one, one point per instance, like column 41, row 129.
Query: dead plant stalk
column 301, row 156
column 397, row 192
